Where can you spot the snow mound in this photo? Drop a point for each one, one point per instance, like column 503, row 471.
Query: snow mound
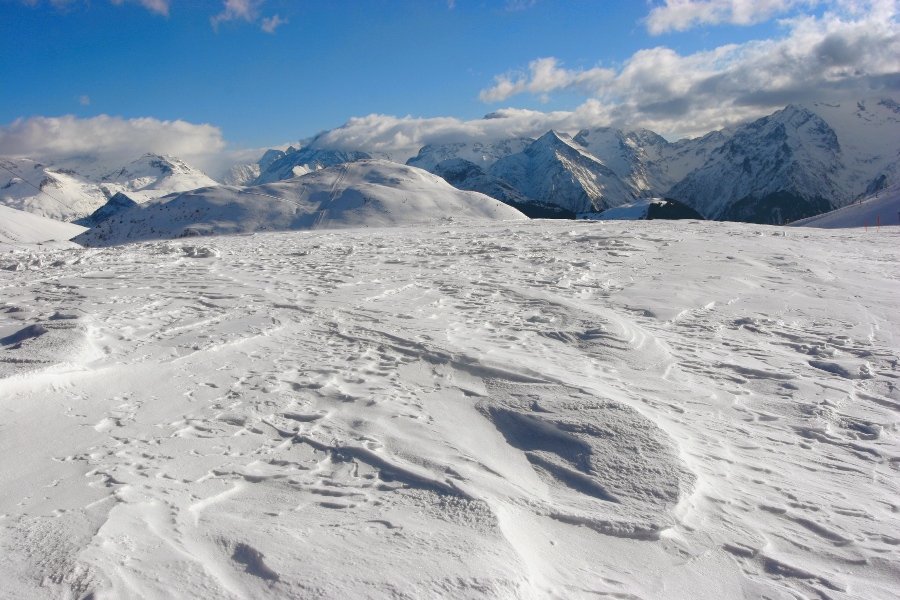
column 20, row 227
column 886, row 206
column 368, row 193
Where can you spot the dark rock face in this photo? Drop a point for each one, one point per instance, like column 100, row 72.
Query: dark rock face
column 672, row 210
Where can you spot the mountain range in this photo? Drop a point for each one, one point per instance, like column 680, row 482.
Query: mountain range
column 798, row 162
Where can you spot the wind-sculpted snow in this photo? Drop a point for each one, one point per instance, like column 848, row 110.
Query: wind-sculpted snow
column 527, row 409
column 369, row 193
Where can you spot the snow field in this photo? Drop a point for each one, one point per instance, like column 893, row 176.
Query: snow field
column 533, row 409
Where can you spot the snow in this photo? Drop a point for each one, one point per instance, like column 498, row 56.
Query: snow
column 367, row 193
column 520, row 409
column 74, row 188
column 19, row 227
column 883, row 206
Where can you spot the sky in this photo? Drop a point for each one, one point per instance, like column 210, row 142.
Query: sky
column 217, row 80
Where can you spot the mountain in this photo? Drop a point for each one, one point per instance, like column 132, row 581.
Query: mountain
column 869, row 134
column 628, row 154
column 245, row 174
column 295, row 163
column 118, row 203
column 241, row 174
column 483, row 154
column 465, row 175
column 779, row 168
column 152, row 176
column 799, row 162
column 74, row 188
column 366, row 193
column 558, row 171
column 20, row 227
column 53, row 191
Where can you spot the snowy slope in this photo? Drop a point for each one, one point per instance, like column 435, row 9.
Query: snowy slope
column 57, row 192
column 367, row 193
column 295, row 163
column 483, row 154
column 20, row 227
column 558, row 171
column 883, row 208
column 76, row 187
column 528, row 409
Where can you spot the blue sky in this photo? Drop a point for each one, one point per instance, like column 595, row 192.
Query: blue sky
column 321, row 63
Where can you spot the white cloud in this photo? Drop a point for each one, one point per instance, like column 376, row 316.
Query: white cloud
column 106, row 137
column 680, row 15
column 235, row 10
column 246, row 10
column 832, row 57
column 84, row 100
column 160, row 7
column 401, row 138
column 269, row 24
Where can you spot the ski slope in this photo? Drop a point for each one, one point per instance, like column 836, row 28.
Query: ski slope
column 522, row 409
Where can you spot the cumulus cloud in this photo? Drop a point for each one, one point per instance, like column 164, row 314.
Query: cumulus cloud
column 106, row 137
column 832, row 57
column 680, row 15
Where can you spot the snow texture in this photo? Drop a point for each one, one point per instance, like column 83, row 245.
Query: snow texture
column 526, row 409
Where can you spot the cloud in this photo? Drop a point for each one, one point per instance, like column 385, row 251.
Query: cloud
column 106, row 137
column 235, row 10
column 400, row 138
column 269, row 24
column 246, row 10
column 519, row 4
column 831, row 57
column 680, row 15
column 84, row 100
column 160, row 7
